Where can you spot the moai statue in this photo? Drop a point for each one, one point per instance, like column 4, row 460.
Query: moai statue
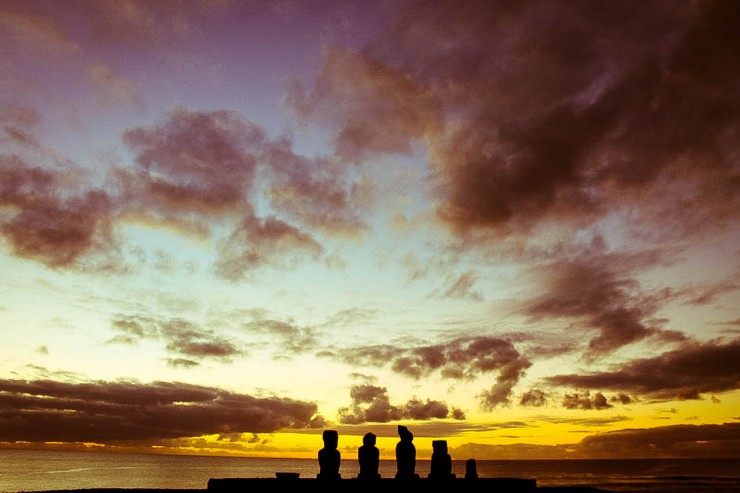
column 329, row 456
column 368, row 456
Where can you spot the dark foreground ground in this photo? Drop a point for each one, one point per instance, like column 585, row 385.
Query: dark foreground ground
column 385, row 485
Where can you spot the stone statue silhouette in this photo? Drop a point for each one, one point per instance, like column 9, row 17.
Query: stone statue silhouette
column 441, row 467
column 405, row 455
column 368, row 456
column 471, row 470
column 329, row 456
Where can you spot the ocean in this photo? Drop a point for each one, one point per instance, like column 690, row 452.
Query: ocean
column 22, row 470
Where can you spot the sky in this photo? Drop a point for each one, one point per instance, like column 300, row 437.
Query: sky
column 226, row 226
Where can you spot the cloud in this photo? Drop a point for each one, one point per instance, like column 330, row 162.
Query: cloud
column 709, row 440
column 196, row 162
column 105, row 412
column 462, row 358
column 48, row 221
column 462, row 287
column 181, row 363
column 536, row 113
column 598, row 290
column 533, row 398
column 115, row 89
column 676, row 441
column 428, row 429
column 597, row 422
column 199, row 165
column 292, row 339
column 374, row 107
column 181, row 337
column 371, row 403
column 684, row 373
column 35, row 33
column 185, row 338
column 704, row 294
column 141, row 24
column 317, row 192
column 17, row 124
column 48, row 214
column 585, row 401
column 523, row 451
column 256, row 242
column 622, row 398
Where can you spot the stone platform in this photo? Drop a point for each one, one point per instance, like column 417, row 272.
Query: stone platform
column 382, row 485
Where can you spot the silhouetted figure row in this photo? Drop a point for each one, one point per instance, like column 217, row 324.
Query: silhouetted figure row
column 368, row 456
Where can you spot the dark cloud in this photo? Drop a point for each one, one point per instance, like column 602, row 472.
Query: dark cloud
column 598, row 290
column 621, row 398
column 585, row 401
column 104, row 412
column 182, row 337
column 317, row 192
column 371, row 403
column 181, row 363
column 685, row 373
column 534, row 398
column 256, row 242
column 709, row 440
column 58, row 232
column 50, row 221
column 535, row 112
column 462, row 358
column 592, row 108
column 195, row 162
column 676, row 441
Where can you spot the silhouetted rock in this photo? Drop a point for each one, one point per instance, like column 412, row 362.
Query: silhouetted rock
column 441, row 467
column 329, row 457
column 368, row 456
column 471, row 469
column 405, row 455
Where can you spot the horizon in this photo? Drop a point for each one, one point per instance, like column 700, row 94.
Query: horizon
column 228, row 226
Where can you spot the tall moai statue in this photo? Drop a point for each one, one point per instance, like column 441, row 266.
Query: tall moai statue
column 329, row 456
column 405, row 455
column 368, row 456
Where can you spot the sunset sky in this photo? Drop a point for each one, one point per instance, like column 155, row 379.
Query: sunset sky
column 226, row 226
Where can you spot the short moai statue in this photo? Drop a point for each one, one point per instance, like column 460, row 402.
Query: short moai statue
column 441, row 467
column 471, row 469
